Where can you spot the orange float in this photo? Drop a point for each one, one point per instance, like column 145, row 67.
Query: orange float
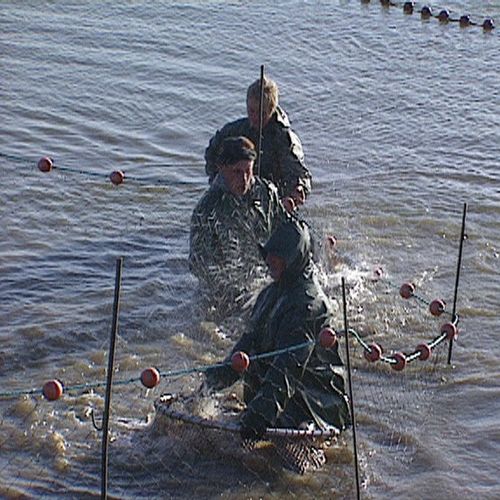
column 45, row 164
column 400, row 361
column 327, row 338
column 52, row 390
column 117, row 177
column 240, row 361
column 407, row 290
column 150, row 377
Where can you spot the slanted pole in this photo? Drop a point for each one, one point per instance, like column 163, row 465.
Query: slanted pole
column 457, row 277
column 109, row 381
column 351, row 400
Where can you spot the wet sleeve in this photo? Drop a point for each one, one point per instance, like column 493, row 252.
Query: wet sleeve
column 202, row 245
column 294, row 170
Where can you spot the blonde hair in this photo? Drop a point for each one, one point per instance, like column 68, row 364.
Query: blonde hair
column 270, row 94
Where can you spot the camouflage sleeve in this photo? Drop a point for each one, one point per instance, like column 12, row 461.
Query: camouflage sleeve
column 201, row 244
column 294, row 170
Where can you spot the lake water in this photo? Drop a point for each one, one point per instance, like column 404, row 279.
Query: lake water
column 400, row 122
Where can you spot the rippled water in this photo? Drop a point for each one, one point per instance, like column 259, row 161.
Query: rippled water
column 400, row 121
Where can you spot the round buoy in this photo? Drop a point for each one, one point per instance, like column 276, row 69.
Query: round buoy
column 240, row 361
column 426, row 12
column 117, row 177
column 45, row 164
column 465, row 21
column 407, row 290
column 150, row 377
column 400, row 361
column 450, row 330
column 425, row 352
column 289, row 204
column 52, row 390
column 444, row 16
column 408, row 7
column 374, row 354
column 327, row 338
column 331, row 241
column 437, row 306
column 488, row 24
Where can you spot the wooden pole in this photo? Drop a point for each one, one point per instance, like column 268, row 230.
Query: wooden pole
column 351, row 400
column 457, row 277
column 109, row 381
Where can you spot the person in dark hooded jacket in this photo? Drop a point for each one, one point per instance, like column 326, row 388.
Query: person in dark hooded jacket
column 282, row 159
column 292, row 387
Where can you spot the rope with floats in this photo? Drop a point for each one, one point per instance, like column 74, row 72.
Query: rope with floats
column 443, row 15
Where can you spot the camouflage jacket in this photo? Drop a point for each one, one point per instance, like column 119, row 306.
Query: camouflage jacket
column 282, row 154
column 291, row 387
column 225, row 233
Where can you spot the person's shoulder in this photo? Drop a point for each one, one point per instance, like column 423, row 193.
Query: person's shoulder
column 236, row 127
column 209, row 200
column 281, row 118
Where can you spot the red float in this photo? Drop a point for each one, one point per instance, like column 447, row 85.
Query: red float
column 117, row 177
column 45, row 164
column 407, row 290
column 327, row 338
column 240, row 361
column 465, row 21
column 488, row 24
column 450, row 330
column 437, row 307
column 150, row 377
column 52, row 390
column 400, row 361
column 374, row 354
column 425, row 352
column 444, row 16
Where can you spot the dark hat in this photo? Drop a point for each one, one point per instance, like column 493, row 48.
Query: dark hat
column 234, row 149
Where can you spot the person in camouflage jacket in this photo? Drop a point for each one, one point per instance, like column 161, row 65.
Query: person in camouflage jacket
column 292, row 387
column 238, row 212
column 282, row 159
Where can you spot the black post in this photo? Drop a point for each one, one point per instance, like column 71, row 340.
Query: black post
column 457, row 277
column 261, row 119
column 109, row 381
column 351, row 400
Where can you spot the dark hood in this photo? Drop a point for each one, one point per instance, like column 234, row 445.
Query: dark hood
column 291, row 241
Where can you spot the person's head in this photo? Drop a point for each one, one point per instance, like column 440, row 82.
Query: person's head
column 288, row 251
column 269, row 101
column 235, row 162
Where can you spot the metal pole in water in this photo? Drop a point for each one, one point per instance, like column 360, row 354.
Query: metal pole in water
column 459, row 264
column 351, row 400
column 109, row 381
column 261, row 118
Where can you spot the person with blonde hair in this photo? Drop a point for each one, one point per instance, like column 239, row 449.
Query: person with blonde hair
column 282, row 158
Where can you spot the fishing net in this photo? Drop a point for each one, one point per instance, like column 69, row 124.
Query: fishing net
column 298, row 450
